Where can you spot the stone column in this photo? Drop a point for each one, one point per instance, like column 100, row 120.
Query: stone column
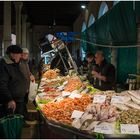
column 24, row 31
column 18, row 7
column 29, row 39
column 6, row 27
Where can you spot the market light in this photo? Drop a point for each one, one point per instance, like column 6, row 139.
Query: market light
column 83, row 6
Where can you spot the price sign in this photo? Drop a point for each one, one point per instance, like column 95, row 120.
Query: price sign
column 77, row 114
column 61, row 87
column 64, row 93
column 65, row 83
column 129, row 129
column 99, row 99
column 117, row 99
column 59, row 99
column 104, row 128
column 74, row 95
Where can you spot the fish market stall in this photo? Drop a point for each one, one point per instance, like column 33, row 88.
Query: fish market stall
column 71, row 108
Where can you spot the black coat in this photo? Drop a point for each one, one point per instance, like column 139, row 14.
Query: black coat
column 107, row 70
column 12, row 82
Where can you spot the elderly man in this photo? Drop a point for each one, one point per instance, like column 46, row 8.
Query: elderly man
column 12, row 82
column 24, row 67
column 103, row 73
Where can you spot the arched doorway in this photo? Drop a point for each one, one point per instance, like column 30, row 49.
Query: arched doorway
column 91, row 20
column 83, row 44
column 115, row 2
column 103, row 9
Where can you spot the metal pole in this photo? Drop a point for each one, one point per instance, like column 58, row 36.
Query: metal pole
column 62, row 59
column 71, row 59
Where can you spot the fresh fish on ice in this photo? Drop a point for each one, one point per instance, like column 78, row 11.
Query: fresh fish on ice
column 135, row 100
column 121, row 106
column 132, row 105
column 136, row 93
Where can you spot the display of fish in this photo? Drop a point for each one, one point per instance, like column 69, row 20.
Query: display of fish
column 76, row 123
column 126, row 99
column 135, row 100
column 121, row 106
column 135, row 93
column 86, row 116
column 132, row 105
column 131, row 116
column 92, row 125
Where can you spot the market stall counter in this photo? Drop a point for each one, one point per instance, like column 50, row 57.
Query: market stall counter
column 70, row 107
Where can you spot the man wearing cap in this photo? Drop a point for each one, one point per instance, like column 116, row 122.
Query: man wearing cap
column 12, row 82
column 24, row 67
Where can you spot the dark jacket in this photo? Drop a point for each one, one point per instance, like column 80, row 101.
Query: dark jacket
column 91, row 66
column 107, row 70
column 24, row 68
column 12, row 81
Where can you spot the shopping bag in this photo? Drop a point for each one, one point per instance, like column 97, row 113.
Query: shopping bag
column 32, row 91
column 11, row 126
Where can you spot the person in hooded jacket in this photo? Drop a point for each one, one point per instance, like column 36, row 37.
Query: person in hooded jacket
column 12, row 82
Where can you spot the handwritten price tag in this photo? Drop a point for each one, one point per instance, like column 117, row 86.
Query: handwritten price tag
column 117, row 99
column 99, row 98
column 129, row 129
column 76, row 114
column 104, row 128
column 74, row 95
column 64, row 93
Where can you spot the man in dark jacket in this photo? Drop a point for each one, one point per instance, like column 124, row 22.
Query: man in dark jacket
column 12, row 82
column 103, row 73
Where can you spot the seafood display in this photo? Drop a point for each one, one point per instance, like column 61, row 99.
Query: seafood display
column 73, row 84
column 62, row 111
column 130, row 116
column 50, row 74
column 59, row 97
column 94, row 114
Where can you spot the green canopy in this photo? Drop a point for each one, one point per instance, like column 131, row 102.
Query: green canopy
column 117, row 27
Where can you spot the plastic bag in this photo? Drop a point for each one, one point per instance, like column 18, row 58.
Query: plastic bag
column 11, row 126
column 32, row 91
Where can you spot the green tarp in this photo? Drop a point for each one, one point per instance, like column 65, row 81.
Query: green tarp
column 117, row 27
column 137, row 8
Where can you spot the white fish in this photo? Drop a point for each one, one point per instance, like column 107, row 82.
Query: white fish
column 132, row 105
column 126, row 98
column 136, row 93
column 137, row 101
column 86, row 117
column 77, row 123
column 121, row 106
column 92, row 125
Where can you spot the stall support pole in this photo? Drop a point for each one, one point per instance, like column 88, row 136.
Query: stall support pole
column 62, row 59
column 73, row 63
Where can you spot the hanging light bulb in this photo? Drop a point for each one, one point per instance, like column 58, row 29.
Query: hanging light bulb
column 83, row 6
